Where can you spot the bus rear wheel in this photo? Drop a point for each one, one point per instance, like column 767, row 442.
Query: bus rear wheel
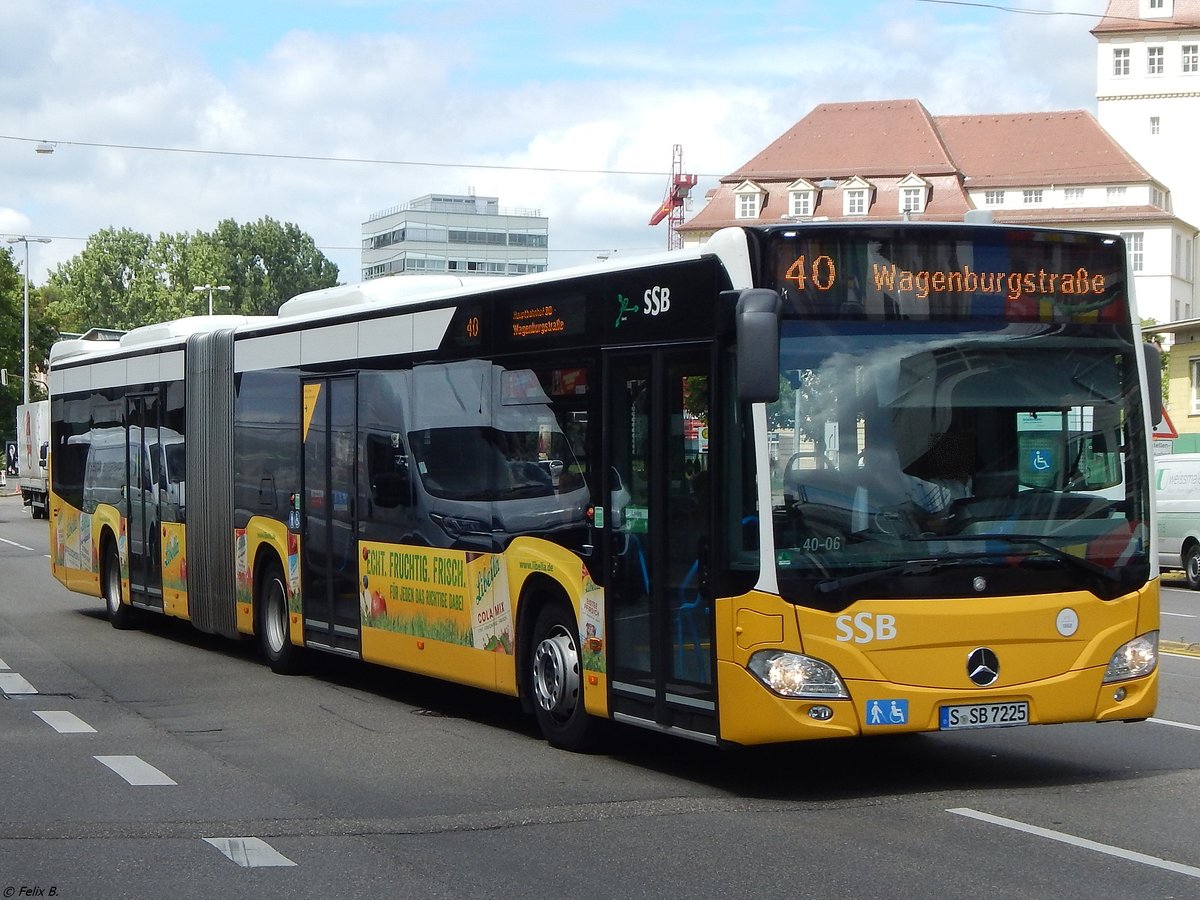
column 555, row 681
column 120, row 615
column 274, row 629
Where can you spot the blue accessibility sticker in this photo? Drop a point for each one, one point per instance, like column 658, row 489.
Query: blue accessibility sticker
column 887, row 712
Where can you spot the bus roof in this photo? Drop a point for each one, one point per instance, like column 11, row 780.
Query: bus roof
column 392, row 292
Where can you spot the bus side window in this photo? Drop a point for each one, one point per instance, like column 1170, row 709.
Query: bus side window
column 387, row 471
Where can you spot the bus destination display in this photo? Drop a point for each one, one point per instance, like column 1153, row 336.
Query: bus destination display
column 888, row 279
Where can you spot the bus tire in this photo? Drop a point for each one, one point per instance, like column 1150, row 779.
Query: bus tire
column 274, row 630
column 556, row 683
column 120, row 615
column 1191, row 566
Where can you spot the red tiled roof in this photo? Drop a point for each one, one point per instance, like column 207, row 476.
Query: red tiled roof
column 885, row 141
column 1066, row 147
column 1124, row 16
column 884, row 137
column 946, row 201
column 1079, row 215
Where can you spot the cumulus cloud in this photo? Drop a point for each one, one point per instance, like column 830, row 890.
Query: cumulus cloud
column 608, row 88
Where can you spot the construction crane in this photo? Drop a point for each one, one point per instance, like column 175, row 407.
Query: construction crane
column 678, row 189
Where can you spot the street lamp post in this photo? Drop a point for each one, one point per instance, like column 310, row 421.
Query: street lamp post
column 210, row 288
column 25, row 239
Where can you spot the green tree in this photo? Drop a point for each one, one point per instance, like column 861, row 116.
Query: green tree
column 11, row 337
column 42, row 333
column 113, row 283
column 782, row 413
column 123, row 279
column 267, row 262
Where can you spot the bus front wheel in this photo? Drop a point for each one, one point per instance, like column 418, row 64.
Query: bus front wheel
column 119, row 614
column 282, row 655
column 555, row 681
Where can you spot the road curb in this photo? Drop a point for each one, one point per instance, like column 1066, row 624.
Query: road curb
column 1179, row 649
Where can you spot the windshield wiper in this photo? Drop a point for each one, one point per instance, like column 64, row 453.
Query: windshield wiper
column 911, row 567
column 1057, row 553
column 928, row 565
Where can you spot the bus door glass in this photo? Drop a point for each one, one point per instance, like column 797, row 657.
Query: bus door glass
column 329, row 586
column 657, row 533
column 142, row 493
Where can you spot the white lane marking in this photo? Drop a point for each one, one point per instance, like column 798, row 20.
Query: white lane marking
column 1063, row 837
column 64, row 722
column 1174, row 724
column 12, row 683
column 15, row 544
column 250, row 852
column 135, row 770
column 19, row 546
column 1180, row 615
column 3, row 664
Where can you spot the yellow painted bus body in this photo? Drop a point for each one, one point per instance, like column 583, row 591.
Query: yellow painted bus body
column 921, row 660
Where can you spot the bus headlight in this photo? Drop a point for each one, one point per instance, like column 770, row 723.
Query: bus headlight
column 1134, row 659
column 794, row 675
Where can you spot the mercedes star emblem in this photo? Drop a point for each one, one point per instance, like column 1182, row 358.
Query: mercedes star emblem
column 983, row 666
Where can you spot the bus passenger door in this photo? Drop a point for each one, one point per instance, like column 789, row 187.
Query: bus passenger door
column 329, row 574
column 656, row 533
column 142, row 493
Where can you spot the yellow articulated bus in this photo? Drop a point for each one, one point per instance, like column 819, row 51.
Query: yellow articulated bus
column 803, row 481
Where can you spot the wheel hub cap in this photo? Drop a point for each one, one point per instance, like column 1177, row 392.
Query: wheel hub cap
column 556, row 674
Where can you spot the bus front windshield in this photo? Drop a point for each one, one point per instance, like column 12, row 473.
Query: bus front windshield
column 922, row 459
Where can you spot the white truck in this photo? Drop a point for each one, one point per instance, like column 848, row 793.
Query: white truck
column 33, row 445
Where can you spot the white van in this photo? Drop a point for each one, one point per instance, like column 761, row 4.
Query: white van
column 1177, row 494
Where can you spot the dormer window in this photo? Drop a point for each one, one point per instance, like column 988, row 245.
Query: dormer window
column 802, row 198
column 749, row 199
column 856, row 197
column 914, row 193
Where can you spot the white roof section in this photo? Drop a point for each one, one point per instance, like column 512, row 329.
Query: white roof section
column 391, row 290
column 397, row 292
column 161, row 334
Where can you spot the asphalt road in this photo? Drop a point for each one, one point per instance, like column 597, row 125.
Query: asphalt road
column 1180, row 612
column 165, row 763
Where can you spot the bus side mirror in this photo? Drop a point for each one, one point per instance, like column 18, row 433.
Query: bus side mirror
column 1153, row 359
column 757, row 318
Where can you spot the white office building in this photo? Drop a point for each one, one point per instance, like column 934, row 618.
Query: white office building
column 454, row 234
column 1148, row 99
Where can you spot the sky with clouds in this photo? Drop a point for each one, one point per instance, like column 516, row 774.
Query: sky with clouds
column 171, row 115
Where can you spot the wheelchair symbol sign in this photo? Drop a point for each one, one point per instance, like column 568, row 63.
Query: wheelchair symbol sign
column 887, row 712
column 1041, row 460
